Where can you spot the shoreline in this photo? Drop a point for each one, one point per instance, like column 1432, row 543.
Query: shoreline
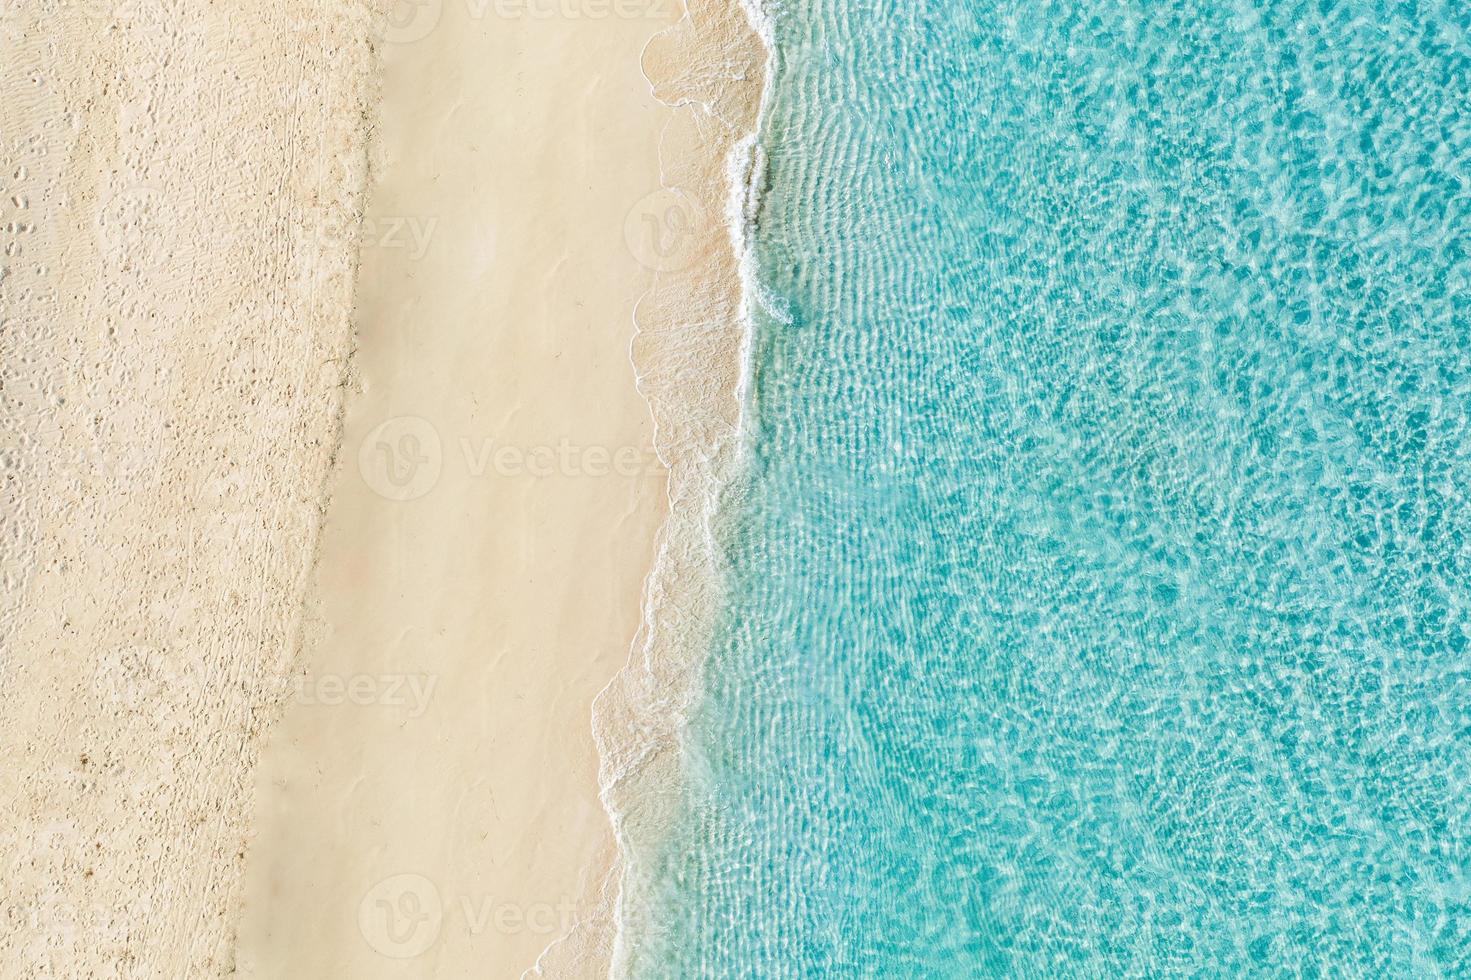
column 639, row 718
column 324, row 611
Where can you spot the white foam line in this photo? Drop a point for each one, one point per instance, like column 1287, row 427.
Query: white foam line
column 745, row 169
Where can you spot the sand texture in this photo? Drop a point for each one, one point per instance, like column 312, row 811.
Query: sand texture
column 179, row 185
column 355, row 355
column 491, row 521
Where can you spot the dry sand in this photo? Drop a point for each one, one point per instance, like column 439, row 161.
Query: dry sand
column 491, row 521
column 402, row 548
column 175, row 294
column 494, row 512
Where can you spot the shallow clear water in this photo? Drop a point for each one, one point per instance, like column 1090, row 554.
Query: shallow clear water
column 1098, row 589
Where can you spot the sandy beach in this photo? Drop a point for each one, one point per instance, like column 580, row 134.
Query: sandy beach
column 332, row 446
column 176, row 292
column 430, row 803
column 491, row 519
column 697, row 488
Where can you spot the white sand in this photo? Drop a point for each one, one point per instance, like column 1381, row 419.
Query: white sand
column 456, row 836
column 414, row 620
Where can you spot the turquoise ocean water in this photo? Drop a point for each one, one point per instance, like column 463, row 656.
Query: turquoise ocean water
column 1099, row 587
